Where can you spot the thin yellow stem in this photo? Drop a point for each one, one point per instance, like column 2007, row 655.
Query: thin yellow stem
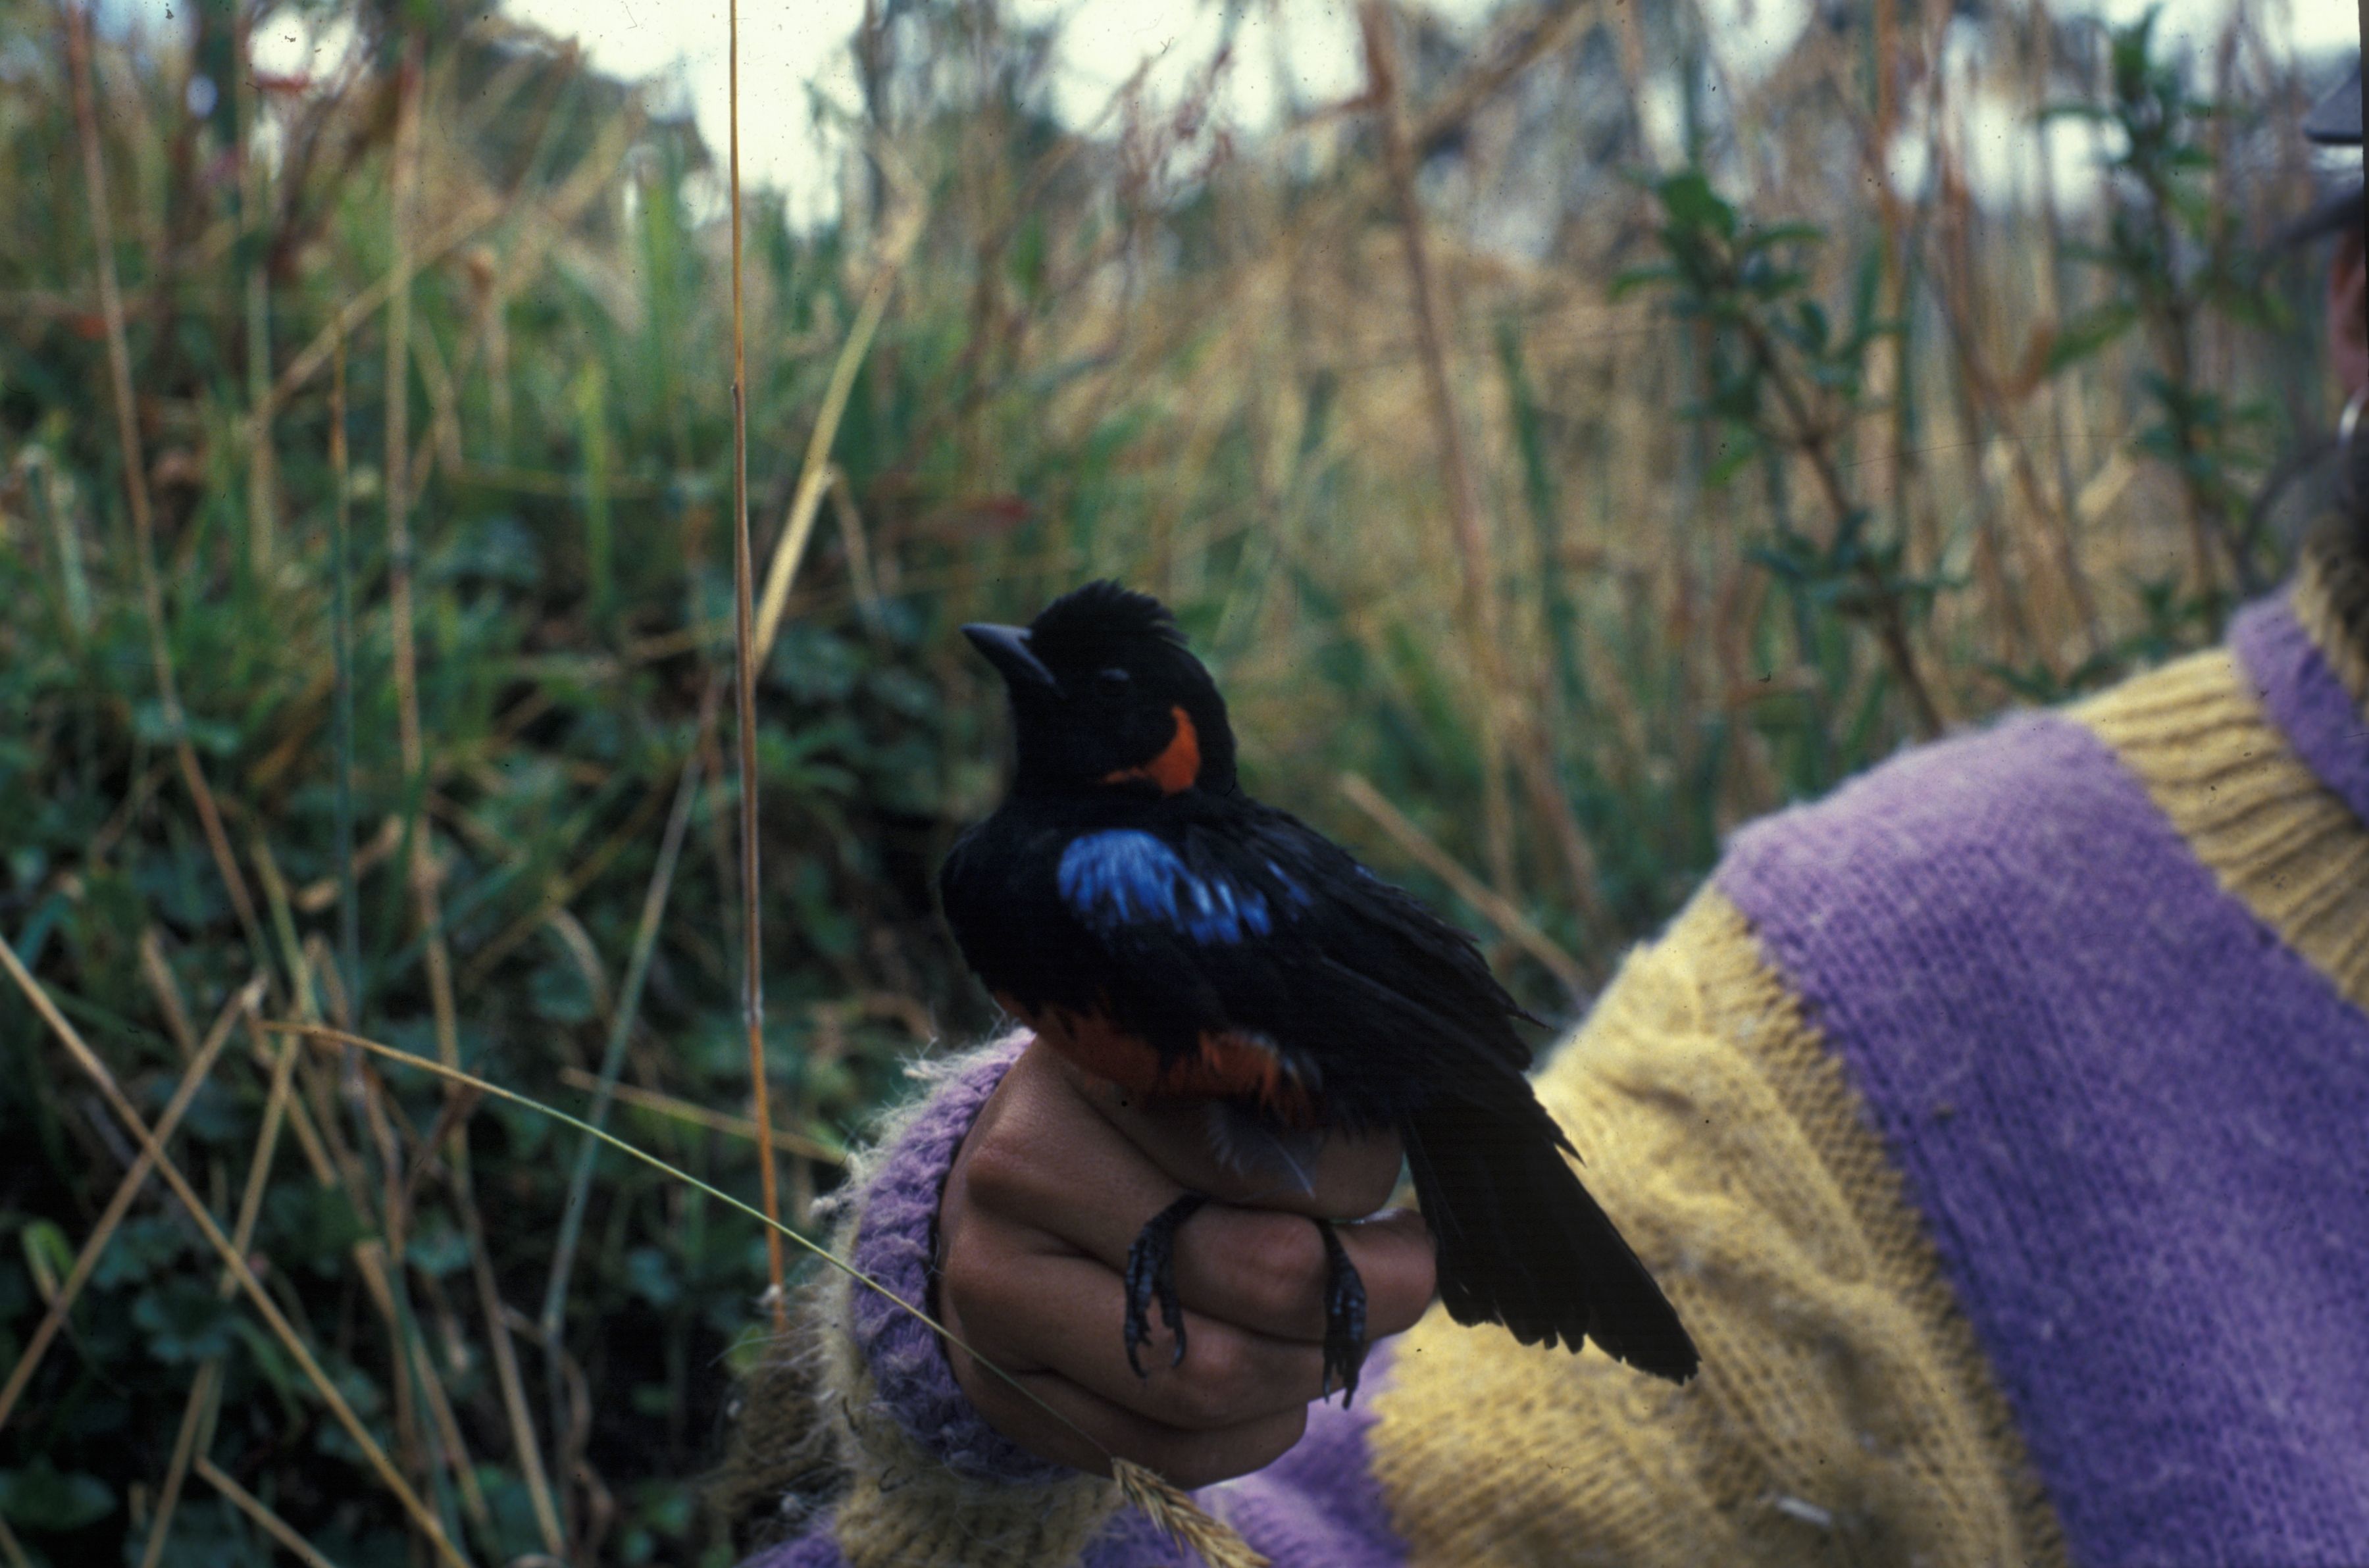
column 135, row 473
column 1169, row 1507
column 197, row 1416
column 290, row 1340
column 699, row 1115
column 273, row 1525
column 62, row 1303
column 752, row 987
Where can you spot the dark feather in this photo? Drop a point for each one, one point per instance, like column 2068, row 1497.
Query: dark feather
column 1100, row 612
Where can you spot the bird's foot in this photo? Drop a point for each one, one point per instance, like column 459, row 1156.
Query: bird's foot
column 1151, row 1272
column 1345, row 1318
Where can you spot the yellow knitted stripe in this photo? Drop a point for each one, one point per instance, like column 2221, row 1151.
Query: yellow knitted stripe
column 904, row 1509
column 1843, row 1412
column 2279, row 841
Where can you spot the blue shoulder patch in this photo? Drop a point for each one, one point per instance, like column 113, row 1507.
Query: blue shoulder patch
column 1125, row 876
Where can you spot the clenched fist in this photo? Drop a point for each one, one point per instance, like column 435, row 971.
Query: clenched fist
column 1047, row 1193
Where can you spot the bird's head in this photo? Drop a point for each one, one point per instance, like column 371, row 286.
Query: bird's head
column 1105, row 695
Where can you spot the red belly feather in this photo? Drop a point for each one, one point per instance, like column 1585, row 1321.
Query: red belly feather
column 1229, row 1063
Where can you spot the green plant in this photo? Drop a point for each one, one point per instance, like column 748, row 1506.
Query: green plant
column 2176, row 255
column 1786, row 383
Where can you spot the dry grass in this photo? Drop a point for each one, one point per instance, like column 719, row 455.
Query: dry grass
column 1432, row 501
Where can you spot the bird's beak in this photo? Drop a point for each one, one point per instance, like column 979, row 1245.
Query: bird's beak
column 1006, row 647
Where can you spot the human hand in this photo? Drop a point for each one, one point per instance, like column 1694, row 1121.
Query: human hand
column 1046, row 1195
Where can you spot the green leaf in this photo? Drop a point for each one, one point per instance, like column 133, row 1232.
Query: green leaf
column 2089, row 332
column 1636, row 278
column 1780, row 233
column 42, row 1497
column 143, row 1246
column 1692, row 202
column 649, row 1273
column 47, row 1254
column 184, row 1320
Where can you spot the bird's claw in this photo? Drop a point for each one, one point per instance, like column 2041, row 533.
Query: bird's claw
column 1151, row 1273
column 1345, row 1318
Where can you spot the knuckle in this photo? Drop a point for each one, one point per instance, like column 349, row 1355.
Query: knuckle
column 1278, row 1261
column 999, row 1171
column 1214, row 1381
column 968, row 1277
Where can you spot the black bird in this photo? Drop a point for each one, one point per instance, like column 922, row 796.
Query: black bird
column 1170, row 933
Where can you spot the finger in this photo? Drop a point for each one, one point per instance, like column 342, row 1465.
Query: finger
column 1267, row 1272
column 1084, row 1430
column 1064, row 1315
column 1341, row 1177
column 1086, row 1188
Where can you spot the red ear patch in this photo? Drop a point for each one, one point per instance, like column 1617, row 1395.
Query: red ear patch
column 1178, row 765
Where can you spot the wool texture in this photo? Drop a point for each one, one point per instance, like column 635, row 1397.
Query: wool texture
column 2128, row 1107
column 1992, row 1124
column 1842, row 1414
column 896, row 1243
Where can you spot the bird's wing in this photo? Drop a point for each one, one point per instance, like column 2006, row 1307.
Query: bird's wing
column 1263, row 925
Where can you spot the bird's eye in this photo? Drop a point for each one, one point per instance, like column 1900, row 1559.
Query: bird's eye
column 1113, row 678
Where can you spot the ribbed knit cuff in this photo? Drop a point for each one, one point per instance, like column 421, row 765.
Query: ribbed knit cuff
column 897, row 1235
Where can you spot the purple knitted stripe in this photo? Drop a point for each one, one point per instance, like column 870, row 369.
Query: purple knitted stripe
column 2131, row 1117
column 818, row 1549
column 895, row 1239
column 1318, row 1506
column 2303, row 697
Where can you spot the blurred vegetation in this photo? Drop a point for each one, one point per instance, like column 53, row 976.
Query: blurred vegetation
column 1528, row 585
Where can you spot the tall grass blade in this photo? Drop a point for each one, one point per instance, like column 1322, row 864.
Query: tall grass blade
column 285, row 1331
column 753, row 985
column 1152, row 1493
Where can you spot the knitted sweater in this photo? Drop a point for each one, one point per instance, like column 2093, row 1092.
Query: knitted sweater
column 1995, row 1124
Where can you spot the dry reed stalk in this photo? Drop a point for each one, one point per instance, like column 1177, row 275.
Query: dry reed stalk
column 1469, row 528
column 1813, row 439
column 271, row 1523
column 282, row 1329
column 563, row 890
column 446, row 1427
column 166, row 992
column 422, row 870
column 11, row 1553
column 341, row 725
column 814, row 474
column 262, row 499
column 193, row 1077
column 198, row 1414
column 299, row 1122
column 753, row 985
column 797, row 1143
column 136, row 471
column 1499, row 911
column 508, row 1379
column 314, row 356
column 620, row 1030
column 585, row 955
column 370, row 1262
column 1166, row 1505
column 423, row 873
column 1984, row 397
column 2038, row 33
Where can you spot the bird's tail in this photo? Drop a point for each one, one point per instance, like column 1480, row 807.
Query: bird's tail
column 1522, row 1243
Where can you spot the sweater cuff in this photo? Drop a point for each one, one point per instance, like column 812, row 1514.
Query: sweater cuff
column 897, row 1236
